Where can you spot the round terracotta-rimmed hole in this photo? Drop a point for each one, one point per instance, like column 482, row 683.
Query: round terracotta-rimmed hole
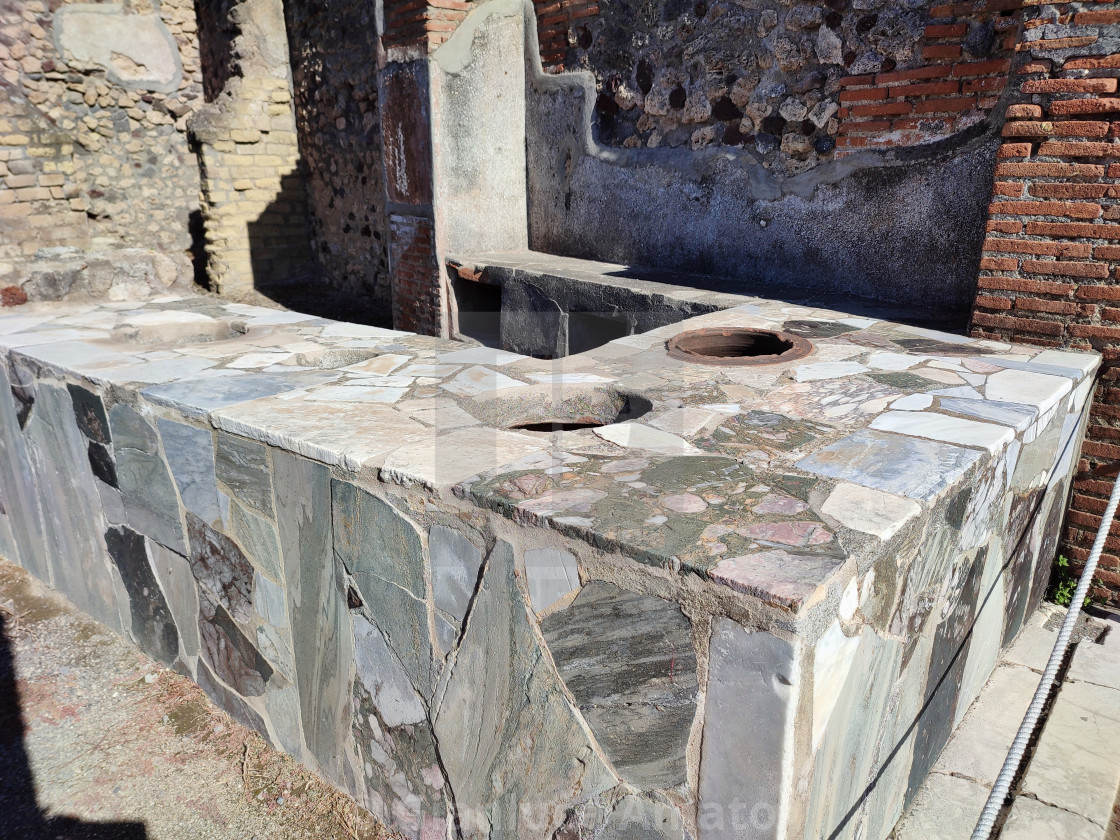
column 737, row 346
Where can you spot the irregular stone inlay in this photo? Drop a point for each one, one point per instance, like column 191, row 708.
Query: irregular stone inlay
column 629, row 661
column 228, row 651
column 221, row 568
column 153, row 628
column 518, row 761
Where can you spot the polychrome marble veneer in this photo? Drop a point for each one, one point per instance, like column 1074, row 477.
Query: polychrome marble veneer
column 717, row 602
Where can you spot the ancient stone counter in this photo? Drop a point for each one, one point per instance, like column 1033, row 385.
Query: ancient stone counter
column 613, row 595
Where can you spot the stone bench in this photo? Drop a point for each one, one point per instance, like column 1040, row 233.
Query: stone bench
column 617, row 594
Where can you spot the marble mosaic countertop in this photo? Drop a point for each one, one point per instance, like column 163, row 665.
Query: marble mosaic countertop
column 765, row 479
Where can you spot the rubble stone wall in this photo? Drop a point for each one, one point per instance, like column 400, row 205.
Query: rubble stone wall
column 796, row 83
column 334, row 49
column 94, row 103
column 1050, row 272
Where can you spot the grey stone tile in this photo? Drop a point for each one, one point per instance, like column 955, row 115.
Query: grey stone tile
column 242, row 466
column 383, row 552
column 946, row 808
column 629, row 662
column 282, row 705
column 455, row 563
column 511, row 793
column 551, row 574
column 196, row 397
column 9, row 548
column 21, row 501
column 150, row 500
column 153, row 627
column 130, row 430
column 894, row 751
column 403, row 784
column 277, row 649
column 258, row 537
column 270, row 601
column 920, row 469
column 756, row 671
column 346, row 434
column 987, row 629
column 71, row 507
column 147, row 489
column 951, row 645
column 1031, row 820
column 385, row 678
column 181, row 592
column 190, row 454
column 1009, row 414
column 1075, row 764
column 321, row 635
column 842, row 776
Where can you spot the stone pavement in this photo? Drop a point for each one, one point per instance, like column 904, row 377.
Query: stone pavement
column 1070, row 788
column 98, row 742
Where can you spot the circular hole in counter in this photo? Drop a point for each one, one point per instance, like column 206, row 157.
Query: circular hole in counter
column 737, row 346
column 586, row 411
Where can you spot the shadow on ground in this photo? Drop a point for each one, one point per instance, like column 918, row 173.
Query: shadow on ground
column 22, row 817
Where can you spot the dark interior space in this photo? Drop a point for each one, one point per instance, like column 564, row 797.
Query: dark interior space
column 587, row 330
column 480, row 311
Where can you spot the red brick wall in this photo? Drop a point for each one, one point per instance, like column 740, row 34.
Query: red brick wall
column 556, row 23
column 947, row 92
column 1050, row 272
column 413, row 28
column 428, row 22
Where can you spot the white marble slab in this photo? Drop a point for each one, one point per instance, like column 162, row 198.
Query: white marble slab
column 481, row 356
column 828, row 370
column 1021, row 386
column 476, row 381
column 640, row 436
column 946, row 429
column 444, row 460
column 869, row 511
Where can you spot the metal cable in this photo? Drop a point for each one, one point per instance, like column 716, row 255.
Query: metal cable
column 1015, row 755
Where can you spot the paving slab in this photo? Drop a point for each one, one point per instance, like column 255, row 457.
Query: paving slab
column 1099, row 663
column 980, row 744
column 1031, row 819
column 1076, row 765
column 1070, row 787
column 945, row 807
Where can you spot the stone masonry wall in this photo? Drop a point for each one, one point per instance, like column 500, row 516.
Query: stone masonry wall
column 796, row 83
column 413, row 29
column 93, row 147
column 334, row 74
column 254, row 202
column 1050, row 272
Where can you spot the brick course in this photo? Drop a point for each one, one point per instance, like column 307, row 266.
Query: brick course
column 1049, row 271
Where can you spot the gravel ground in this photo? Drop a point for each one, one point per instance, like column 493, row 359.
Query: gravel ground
column 98, row 741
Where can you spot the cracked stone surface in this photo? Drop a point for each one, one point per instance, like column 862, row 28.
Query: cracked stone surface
column 480, row 590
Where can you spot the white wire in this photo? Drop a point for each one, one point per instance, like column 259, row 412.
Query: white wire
column 1015, row 755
